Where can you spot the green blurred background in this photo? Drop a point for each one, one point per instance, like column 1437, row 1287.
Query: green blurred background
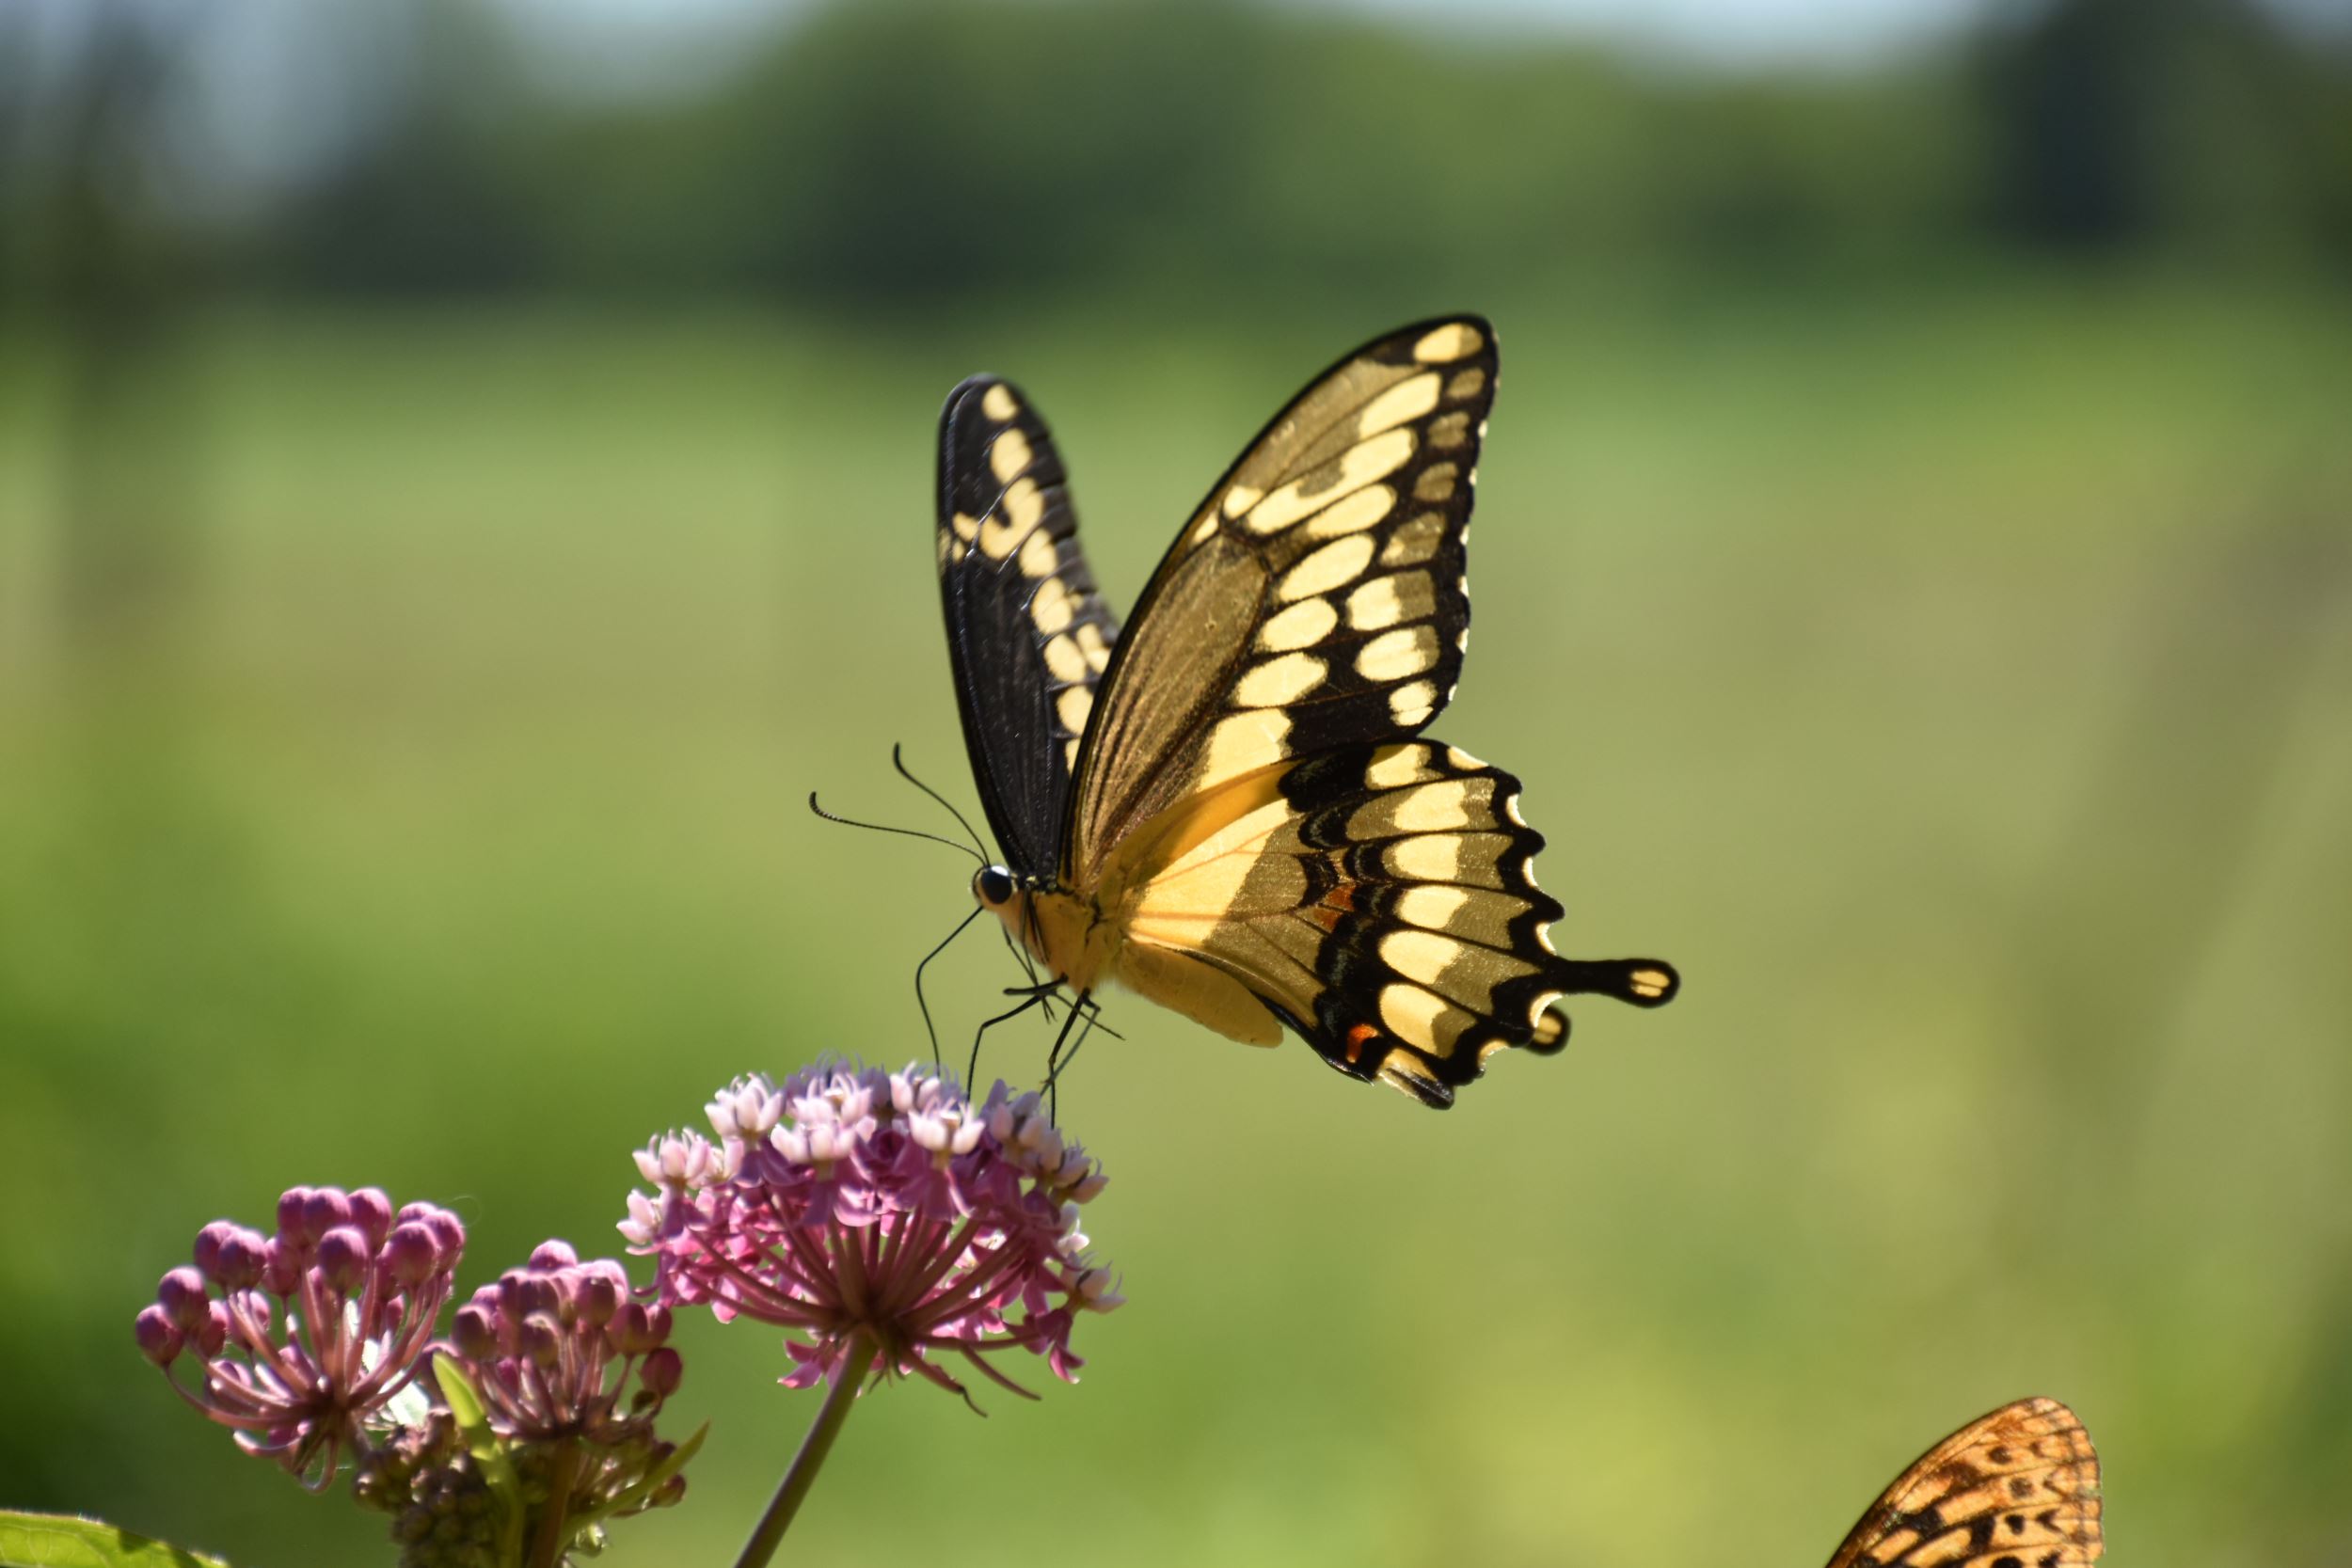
column 465, row 478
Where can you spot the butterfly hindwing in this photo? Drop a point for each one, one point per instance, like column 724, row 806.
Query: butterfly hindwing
column 1382, row 901
column 1315, row 600
column 1028, row 635
column 2018, row 1488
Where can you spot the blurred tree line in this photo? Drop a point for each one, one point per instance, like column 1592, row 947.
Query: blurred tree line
column 910, row 152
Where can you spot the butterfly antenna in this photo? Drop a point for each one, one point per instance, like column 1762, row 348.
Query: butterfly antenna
column 900, row 763
column 880, row 828
column 925, row 1007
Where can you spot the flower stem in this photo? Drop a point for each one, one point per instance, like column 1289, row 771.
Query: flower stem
column 552, row 1536
column 818, row 1443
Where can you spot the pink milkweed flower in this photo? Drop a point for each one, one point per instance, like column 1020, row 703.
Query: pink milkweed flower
column 303, row 1338
column 882, row 1209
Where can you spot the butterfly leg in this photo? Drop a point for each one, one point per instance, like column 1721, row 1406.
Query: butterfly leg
column 1082, row 1005
column 1032, row 996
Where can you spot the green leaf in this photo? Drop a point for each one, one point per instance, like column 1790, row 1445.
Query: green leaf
column 651, row 1480
column 489, row 1452
column 61, row 1541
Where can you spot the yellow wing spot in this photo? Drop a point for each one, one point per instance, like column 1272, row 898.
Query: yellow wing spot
column 1450, row 430
column 1304, row 623
column 1430, row 808
column 1385, row 601
column 967, row 528
column 1394, row 766
column 1050, row 609
column 1432, row 906
column 1458, row 757
column 1488, row 1050
column 1354, row 469
column 1471, row 858
column 1026, row 503
column 1359, row 511
column 1244, row 743
column 1207, row 530
column 1511, row 810
column 1009, row 456
column 1071, row 707
column 998, row 403
column 1394, row 655
column 1454, row 340
column 1336, row 562
column 1064, row 660
column 947, row 546
column 1423, row 956
column 1240, row 499
column 1543, row 938
column 1419, row 1018
column 1098, row 652
column 998, row 534
column 1548, row 1028
column 1414, row 703
column 1070, row 755
column 1407, row 400
column 1040, row 555
column 1435, row 483
column 1280, row 682
column 1649, row 982
column 1414, row 541
column 1467, row 384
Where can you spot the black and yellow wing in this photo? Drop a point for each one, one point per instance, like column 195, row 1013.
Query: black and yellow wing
column 1317, row 597
column 2018, row 1488
column 1028, row 636
column 1249, row 795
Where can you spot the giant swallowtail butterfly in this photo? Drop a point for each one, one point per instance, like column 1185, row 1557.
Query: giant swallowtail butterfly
column 1228, row 806
column 2018, row 1488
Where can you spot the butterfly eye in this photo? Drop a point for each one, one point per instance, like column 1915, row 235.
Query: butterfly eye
column 994, row 884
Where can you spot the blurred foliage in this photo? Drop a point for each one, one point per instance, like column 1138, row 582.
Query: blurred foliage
column 948, row 149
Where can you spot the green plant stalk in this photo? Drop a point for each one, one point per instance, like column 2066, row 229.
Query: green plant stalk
column 554, row 1532
column 805, row 1463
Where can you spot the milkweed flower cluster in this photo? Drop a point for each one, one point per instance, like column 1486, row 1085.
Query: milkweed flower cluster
column 302, row 1338
column 879, row 1214
column 551, row 1351
column 315, row 1346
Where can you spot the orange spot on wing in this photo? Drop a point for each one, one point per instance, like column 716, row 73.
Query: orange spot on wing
column 1359, row 1036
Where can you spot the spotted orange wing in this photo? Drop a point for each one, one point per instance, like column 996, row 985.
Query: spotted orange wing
column 2018, row 1488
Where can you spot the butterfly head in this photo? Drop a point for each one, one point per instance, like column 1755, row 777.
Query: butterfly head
column 994, row 886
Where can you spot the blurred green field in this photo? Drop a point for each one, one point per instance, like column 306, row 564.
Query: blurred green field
column 1952, row 684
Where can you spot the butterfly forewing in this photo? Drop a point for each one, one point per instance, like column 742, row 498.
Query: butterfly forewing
column 1028, row 635
column 2018, row 1488
column 1316, row 598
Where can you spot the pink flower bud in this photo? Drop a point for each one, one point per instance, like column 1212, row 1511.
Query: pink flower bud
column 372, row 1212
column 324, row 1210
column 159, row 1338
column 551, row 1255
column 411, row 1255
column 290, row 1205
column 542, row 1341
column 215, row 1334
column 660, row 1372
column 638, row 1328
column 181, row 1296
column 343, row 1256
column 600, row 1298
column 472, row 1333
column 239, row 1260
